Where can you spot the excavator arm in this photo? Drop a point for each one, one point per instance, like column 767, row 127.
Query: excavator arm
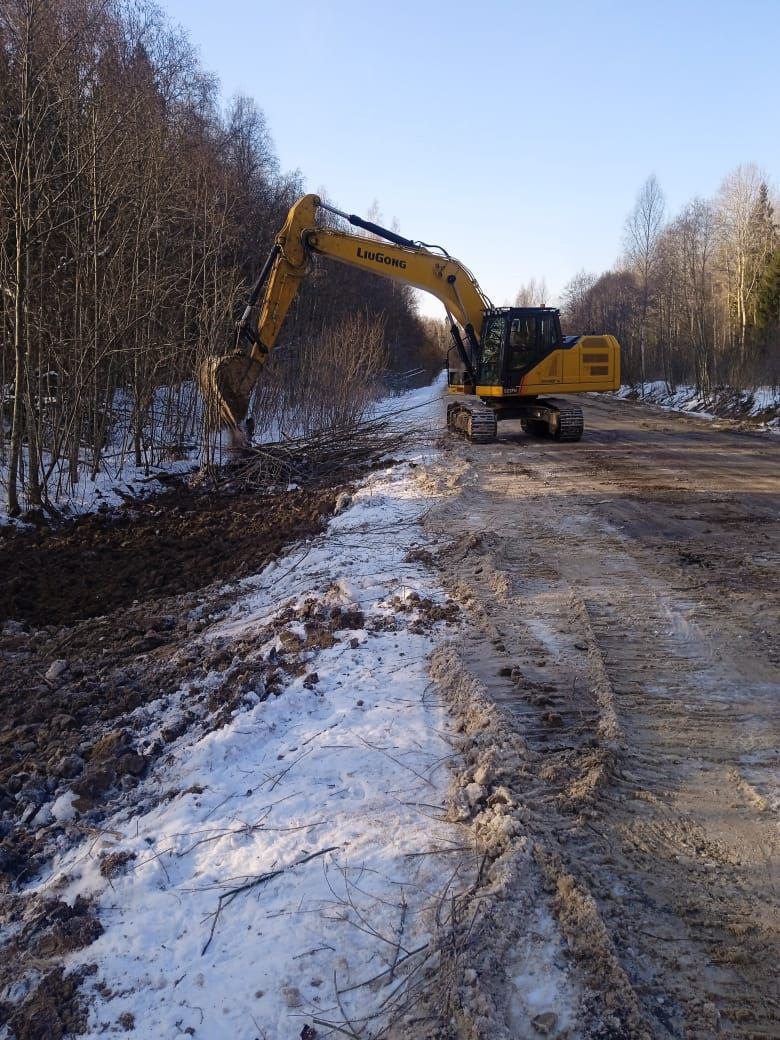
column 228, row 381
column 401, row 260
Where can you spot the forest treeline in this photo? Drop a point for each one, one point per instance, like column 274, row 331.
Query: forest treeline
column 134, row 213
column 695, row 299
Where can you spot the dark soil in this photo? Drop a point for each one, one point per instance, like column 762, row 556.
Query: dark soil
column 53, row 1005
column 96, row 615
column 176, row 542
column 54, row 1009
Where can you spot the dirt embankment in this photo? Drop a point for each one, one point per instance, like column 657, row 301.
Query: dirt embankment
column 95, row 613
column 174, row 543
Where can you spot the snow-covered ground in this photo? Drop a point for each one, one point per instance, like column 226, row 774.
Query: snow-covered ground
column 723, row 402
column 286, row 866
column 171, row 444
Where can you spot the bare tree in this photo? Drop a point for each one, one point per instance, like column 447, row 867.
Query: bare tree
column 694, row 232
column 532, row 294
column 578, row 304
column 747, row 239
column 687, row 302
column 642, row 237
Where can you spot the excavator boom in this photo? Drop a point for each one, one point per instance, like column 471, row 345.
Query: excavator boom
column 400, row 259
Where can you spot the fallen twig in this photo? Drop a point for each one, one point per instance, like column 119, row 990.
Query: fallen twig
column 401, row 925
column 386, row 971
column 439, row 852
column 398, row 762
column 227, row 897
column 333, row 1025
column 281, row 775
column 341, row 1006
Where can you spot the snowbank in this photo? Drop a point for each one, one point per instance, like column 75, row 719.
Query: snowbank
column 762, row 404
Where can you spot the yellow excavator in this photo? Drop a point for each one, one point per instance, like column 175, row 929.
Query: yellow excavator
column 504, row 361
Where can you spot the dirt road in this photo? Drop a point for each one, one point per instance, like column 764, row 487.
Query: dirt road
column 624, row 610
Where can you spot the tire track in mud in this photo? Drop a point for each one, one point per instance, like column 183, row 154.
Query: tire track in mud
column 645, row 691
column 693, row 872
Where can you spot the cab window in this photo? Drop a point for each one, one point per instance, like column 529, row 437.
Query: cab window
column 522, row 343
column 548, row 335
column 492, row 342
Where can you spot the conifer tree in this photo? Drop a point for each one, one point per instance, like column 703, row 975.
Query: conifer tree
column 768, row 295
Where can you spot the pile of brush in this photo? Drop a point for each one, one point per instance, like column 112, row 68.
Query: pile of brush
column 330, row 457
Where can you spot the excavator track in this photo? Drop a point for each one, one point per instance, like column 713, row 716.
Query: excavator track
column 570, row 422
column 473, row 421
column 554, row 417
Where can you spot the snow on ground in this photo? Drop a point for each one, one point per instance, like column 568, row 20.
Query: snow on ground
column 762, row 402
column 109, row 488
column 171, row 444
column 287, row 857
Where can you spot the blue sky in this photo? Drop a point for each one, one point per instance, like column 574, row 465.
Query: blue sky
column 518, row 134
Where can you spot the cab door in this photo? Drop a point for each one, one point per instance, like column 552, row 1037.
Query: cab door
column 492, row 352
column 522, row 348
column 534, row 346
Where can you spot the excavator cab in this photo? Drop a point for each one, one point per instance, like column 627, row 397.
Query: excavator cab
column 514, row 340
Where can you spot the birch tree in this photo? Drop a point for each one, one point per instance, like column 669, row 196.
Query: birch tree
column 747, row 237
column 533, row 294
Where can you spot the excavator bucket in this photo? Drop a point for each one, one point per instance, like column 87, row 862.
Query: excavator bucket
column 226, row 384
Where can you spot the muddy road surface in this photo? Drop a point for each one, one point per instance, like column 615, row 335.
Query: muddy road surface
column 622, row 597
